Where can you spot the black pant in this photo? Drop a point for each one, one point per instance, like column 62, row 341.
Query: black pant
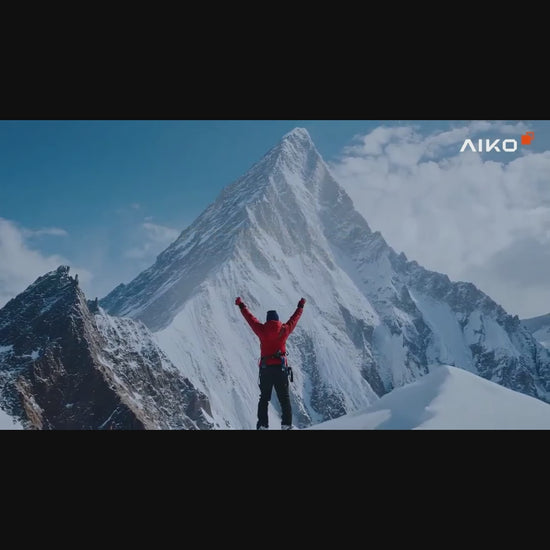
column 274, row 375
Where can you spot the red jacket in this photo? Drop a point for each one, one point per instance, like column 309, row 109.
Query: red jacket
column 272, row 334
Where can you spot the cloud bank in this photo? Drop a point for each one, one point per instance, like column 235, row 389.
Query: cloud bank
column 153, row 239
column 484, row 219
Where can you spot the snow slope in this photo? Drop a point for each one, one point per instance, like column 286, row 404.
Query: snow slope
column 8, row 422
column 448, row 398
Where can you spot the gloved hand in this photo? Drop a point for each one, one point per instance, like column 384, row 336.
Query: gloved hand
column 239, row 302
column 302, row 302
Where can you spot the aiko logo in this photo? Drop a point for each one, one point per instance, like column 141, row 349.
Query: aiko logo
column 488, row 145
column 527, row 138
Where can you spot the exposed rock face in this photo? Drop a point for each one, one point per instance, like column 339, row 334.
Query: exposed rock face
column 62, row 367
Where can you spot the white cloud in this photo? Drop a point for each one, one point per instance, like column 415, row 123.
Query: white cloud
column 404, row 145
column 160, row 233
column 460, row 214
column 20, row 264
column 154, row 238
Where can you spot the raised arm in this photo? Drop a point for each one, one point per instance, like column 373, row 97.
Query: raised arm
column 293, row 321
column 255, row 325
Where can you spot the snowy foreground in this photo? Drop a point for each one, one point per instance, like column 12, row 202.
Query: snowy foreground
column 8, row 423
column 448, row 398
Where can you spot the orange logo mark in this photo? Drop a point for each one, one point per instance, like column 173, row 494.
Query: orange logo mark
column 527, row 138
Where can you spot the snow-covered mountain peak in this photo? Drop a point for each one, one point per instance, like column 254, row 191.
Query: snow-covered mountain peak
column 280, row 207
column 297, row 144
column 291, row 163
column 298, row 135
column 296, row 153
column 51, row 291
column 58, row 277
column 374, row 320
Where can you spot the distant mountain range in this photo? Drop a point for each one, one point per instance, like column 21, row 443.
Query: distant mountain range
column 539, row 327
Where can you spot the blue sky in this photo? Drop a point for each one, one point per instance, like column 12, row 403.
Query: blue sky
column 81, row 172
column 107, row 196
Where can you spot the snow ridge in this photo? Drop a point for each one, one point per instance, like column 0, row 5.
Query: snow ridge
column 448, row 398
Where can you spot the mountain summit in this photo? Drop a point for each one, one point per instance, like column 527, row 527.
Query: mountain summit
column 278, row 196
column 374, row 321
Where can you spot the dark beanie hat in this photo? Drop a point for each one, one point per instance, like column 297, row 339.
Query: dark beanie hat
column 272, row 316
